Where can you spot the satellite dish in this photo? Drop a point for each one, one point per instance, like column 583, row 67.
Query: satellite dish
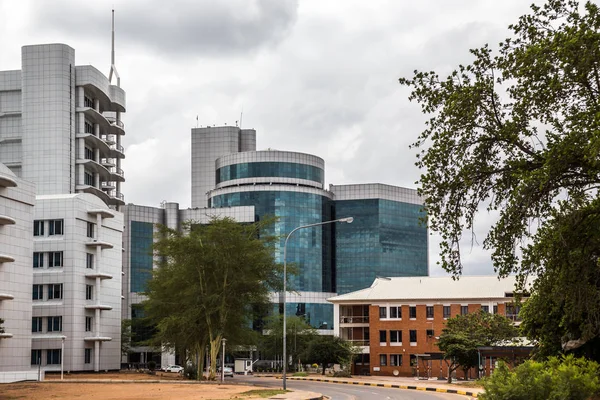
column 396, row 372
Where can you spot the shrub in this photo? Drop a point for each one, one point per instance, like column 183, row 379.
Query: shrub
column 342, row 374
column 190, row 372
column 152, row 365
column 556, row 379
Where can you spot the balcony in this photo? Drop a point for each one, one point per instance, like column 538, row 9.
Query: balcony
column 117, row 151
column 7, row 181
column 354, row 320
column 6, row 335
column 101, row 275
column 95, row 191
column 6, row 296
column 116, row 127
column 95, row 142
column 116, row 198
column 98, row 307
column 97, row 338
column 101, row 243
column 117, row 175
column 6, row 220
column 4, row 258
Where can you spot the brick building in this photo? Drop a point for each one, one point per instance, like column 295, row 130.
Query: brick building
column 396, row 322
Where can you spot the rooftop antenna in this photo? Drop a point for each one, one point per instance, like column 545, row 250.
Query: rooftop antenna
column 112, row 54
column 241, row 115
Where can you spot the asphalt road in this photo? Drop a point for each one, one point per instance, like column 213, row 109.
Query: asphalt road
column 346, row 392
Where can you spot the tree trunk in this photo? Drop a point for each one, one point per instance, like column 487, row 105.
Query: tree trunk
column 324, row 368
column 215, row 345
column 200, row 353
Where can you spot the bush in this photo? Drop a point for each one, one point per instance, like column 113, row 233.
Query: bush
column 556, row 379
column 190, row 372
column 342, row 374
column 152, row 365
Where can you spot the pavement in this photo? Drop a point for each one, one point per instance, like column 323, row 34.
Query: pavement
column 432, row 385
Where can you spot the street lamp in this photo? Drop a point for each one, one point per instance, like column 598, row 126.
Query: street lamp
column 62, row 356
column 223, row 360
column 347, row 220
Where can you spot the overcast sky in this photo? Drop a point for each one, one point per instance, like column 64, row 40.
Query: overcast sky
column 314, row 76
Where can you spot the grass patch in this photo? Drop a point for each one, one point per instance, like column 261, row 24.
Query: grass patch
column 264, row 393
column 300, row 374
column 472, row 384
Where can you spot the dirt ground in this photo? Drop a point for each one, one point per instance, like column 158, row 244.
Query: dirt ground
column 121, row 391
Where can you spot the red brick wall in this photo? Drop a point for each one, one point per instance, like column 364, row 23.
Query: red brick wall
column 424, row 345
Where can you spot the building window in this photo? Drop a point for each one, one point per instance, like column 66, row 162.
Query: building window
column 383, row 360
column 87, row 102
column 512, row 312
column 88, row 178
column 54, row 324
column 88, row 356
column 36, row 324
column 55, row 259
column 38, row 292
column 36, row 357
column 412, row 312
column 53, row 356
column 464, row 310
column 382, row 337
column 396, row 312
column 485, row 309
column 382, row 312
column 90, row 229
column 55, row 291
column 89, row 260
column 430, row 333
column 55, row 227
column 89, row 128
column 89, row 292
column 429, row 312
column 396, row 337
column 395, row 360
column 38, row 228
column 38, row 260
column 446, row 312
column 495, row 308
column 88, row 324
column 89, row 154
column 413, row 336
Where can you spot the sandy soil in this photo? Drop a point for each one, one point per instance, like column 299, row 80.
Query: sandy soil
column 120, row 391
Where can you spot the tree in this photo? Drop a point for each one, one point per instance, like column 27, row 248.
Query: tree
column 125, row 336
column 328, row 350
column 518, row 134
column 209, row 279
column 298, row 337
column 463, row 334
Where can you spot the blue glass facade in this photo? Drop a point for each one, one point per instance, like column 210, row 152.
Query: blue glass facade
column 310, row 250
column 385, row 239
column 319, row 316
column 140, row 261
column 270, row 169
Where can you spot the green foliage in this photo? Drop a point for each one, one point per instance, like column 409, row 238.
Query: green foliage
column 209, row 280
column 464, row 333
column 125, row 336
column 518, row 134
column 328, row 350
column 151, row 365
column 191, row 372
column 556, row 379
column 298, row 337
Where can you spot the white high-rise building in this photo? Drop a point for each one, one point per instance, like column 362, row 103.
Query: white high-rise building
column 61, row 129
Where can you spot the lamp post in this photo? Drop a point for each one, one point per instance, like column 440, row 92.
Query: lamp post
column 62, row 356
column 223, row 360
column 347, row 220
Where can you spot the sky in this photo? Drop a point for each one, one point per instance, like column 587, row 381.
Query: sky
column 313, row 76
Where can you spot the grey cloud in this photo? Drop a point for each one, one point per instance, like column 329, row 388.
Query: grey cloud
column 181, row 28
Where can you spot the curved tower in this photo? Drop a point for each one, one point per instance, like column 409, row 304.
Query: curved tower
column 289, row 186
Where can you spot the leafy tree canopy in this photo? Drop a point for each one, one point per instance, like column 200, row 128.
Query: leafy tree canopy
column 328, row 350
column 463, row 334
column 299, row 335
column 517, row 132
column 209, row 280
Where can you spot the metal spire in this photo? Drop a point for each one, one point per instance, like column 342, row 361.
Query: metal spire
column 112, row 55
